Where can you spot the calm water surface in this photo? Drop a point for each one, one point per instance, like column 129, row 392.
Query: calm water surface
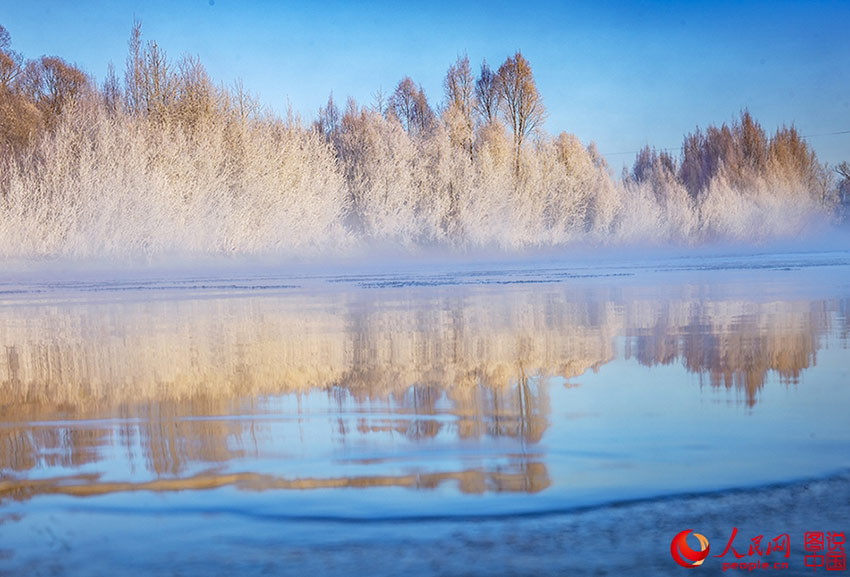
column 545, row 419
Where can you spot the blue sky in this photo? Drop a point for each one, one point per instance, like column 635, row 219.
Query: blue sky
column 622, row 74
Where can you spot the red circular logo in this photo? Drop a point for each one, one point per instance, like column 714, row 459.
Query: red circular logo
column 682, row 552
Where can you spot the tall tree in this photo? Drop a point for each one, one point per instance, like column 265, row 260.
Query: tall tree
column 843, row 170
column 111, row 91
column 328, row 121
column 486, row 95
column 20, row 119
column 52, row 84
column 520, row 103
column 649, row 162
column 459, row 86
column 195, row 95
column 134, row 72
column 410, row 106
column 151, row 85
column 11, row 63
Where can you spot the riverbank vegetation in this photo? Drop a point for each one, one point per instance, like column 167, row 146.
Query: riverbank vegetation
column 160, row 159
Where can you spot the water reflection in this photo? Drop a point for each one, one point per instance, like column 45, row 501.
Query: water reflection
column 251, row 391
column 733, row 345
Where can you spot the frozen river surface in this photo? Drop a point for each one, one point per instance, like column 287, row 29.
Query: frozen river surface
column 546, row 418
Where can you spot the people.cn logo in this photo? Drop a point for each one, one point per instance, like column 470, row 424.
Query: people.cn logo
column 682, row 552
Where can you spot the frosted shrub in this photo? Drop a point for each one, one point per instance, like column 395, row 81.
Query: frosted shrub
column 486, row 211
column 762, row 212
column 641, row 218
column 379, row 160
column 116, row 186
column 656, row 207
column 292, row 195
column 592, row 177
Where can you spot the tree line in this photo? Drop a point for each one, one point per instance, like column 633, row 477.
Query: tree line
column 162, row 159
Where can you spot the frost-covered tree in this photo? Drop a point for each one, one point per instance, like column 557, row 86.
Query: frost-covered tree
column 486, row 95
column 520, row 102
column 328, row 120
column 843, row 171
column 11, row 63
column 20, row 119
column 196, row 99
column 150, row 85
column 459, row 87
column 52, row 84
column 739, row 152
column 169, row 161
column 649, row 161
column 111, row 91
column 410, row 107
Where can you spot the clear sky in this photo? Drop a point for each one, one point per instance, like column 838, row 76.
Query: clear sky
column 623, row 74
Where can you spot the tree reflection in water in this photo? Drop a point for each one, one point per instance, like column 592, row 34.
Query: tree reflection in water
column 197, row 387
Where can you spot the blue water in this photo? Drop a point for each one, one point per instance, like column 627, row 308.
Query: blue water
column 517, row 418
